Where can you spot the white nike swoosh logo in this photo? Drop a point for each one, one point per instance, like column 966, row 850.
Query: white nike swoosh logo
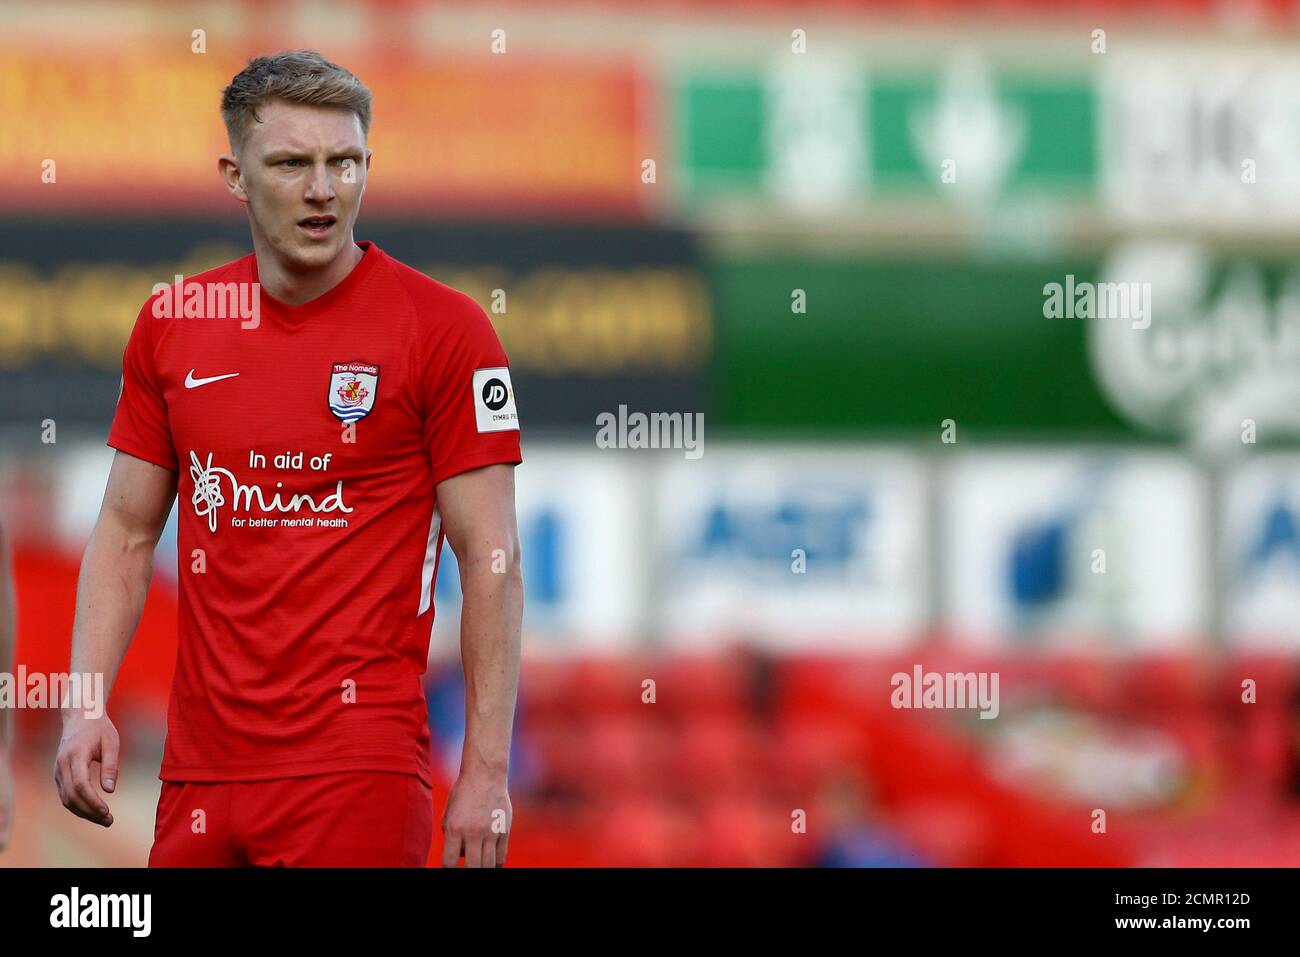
column 193, row 383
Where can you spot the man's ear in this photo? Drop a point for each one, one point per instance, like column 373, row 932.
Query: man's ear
column 228, row 167
column 369, row 153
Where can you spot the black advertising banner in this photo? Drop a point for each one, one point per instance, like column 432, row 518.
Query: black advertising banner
column 592, row 317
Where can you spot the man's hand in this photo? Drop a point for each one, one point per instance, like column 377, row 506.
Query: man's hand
column 476, row 824
column 87, row 760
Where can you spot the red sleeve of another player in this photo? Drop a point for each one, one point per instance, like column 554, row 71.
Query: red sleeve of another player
column 140, row 424
column 470, row 420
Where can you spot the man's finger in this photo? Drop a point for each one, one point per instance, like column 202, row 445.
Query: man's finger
column 58, row 779
column 503, row 845
column 63, row 781
column 108, row 746
column 67, row 790
column 488, row 857
column 79, row 766
column 85, row 803
column 84, row 793
column 75, row 803
column 451, row 848
column 473, row 851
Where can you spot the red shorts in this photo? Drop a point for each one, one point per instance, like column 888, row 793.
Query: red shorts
column 347, row 819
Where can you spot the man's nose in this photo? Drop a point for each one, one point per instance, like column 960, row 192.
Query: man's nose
column 320, row 188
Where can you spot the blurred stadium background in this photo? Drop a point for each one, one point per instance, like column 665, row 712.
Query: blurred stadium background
column 1141, row 142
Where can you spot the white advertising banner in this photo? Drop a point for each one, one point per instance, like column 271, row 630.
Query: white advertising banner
column 1062, row 548
column 1259, row 552
column 792, row 548
column 1201, row 135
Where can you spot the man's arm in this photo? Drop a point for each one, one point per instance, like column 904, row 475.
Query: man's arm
column 478, row 514
column 7, row 643
column 115, row 573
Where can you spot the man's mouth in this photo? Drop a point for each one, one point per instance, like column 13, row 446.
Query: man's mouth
column 317, row 227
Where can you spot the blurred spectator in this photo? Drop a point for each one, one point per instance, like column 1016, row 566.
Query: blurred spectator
column 855, row 838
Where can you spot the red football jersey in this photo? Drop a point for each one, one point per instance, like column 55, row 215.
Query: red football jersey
column 308, row 446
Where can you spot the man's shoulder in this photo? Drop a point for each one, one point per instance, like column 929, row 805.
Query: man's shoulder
column 433, row 300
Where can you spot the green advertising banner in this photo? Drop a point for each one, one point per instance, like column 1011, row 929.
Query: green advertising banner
column 834, row 133
column 1156, row 340
column 898, row 346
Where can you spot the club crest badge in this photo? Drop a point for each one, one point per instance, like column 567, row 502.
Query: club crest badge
column 352, row 390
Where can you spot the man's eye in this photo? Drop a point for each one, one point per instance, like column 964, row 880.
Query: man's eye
column 290, row 162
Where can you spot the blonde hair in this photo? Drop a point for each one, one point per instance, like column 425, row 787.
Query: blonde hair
column 298, row 76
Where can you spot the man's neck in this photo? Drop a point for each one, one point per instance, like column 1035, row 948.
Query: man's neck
column 296, row 288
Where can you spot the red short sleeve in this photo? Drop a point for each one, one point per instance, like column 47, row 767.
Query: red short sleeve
column 471, row 419
column 140, row 425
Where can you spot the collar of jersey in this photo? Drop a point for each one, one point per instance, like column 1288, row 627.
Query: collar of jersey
column 296, row 314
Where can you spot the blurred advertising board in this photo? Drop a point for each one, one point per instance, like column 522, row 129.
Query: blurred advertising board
column 897, row 343
column 1202, row 134
column 1068, row 549
column 1217, row 361
column 791, row 547
column 1141, row 133
column 590, row 315
column 1145, row 134
column 1169, row 341
column 508, row 136
column 1259, row 553
column 817, row 134
column 584, row 557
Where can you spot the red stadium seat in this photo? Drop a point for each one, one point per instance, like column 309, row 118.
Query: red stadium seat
column 698, row 685
column 642, row 832
column 712, row 753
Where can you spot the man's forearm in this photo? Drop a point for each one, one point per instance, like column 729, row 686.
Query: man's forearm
column 490, row 625
column 111, row 590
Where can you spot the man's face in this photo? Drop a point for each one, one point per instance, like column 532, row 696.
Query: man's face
column 303, row 170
